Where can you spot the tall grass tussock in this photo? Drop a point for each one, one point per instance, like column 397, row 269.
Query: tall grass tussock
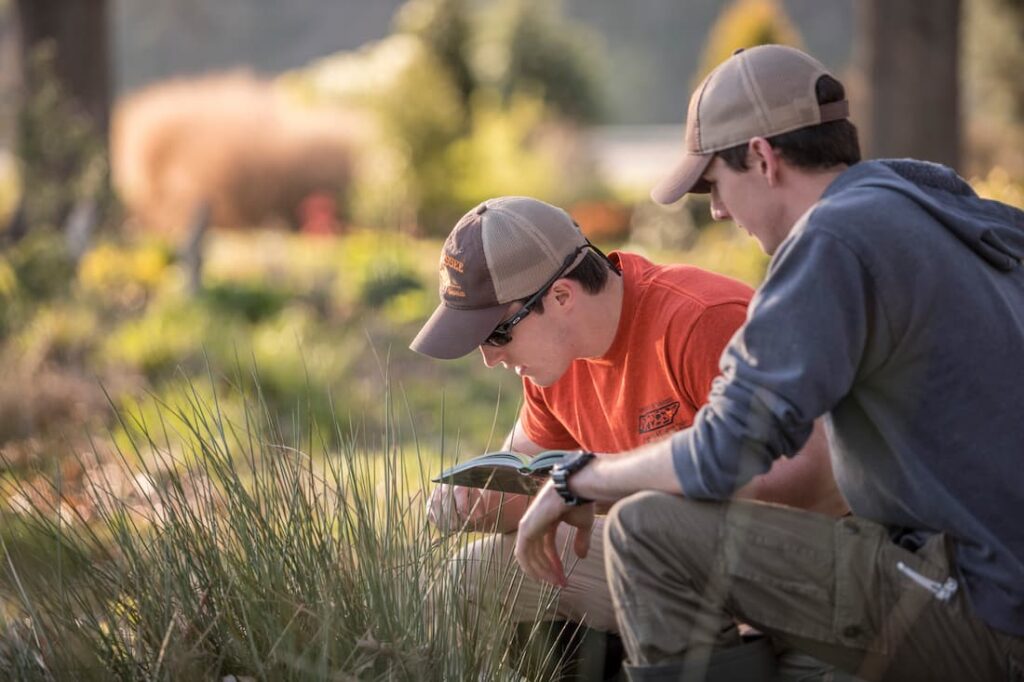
column 205, row 547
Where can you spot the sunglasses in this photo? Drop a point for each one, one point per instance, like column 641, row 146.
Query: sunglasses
column 502, row 334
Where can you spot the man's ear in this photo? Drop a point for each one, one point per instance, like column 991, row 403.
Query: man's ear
column 563, row 293
column 764, row 160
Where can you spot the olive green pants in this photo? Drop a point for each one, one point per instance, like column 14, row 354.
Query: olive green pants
column 682, row 571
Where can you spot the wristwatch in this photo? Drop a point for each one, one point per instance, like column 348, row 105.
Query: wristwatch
column 561, row 472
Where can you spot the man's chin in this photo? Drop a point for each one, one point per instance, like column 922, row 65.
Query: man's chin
column 539, row 382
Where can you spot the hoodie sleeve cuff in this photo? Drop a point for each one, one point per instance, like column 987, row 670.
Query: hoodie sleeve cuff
column 684, row 460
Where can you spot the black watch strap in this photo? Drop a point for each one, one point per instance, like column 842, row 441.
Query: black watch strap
column 561, row 472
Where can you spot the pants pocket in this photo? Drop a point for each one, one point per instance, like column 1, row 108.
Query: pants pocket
column 859, row 587
column 806, row 575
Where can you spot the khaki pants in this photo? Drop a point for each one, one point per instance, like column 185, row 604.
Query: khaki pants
column 681, row 571
column 489, row 578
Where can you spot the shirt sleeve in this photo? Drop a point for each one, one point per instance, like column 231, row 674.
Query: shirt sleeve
column 539, row 424
column 793, row 360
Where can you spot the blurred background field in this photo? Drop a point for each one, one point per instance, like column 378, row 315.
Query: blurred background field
column 219, row 229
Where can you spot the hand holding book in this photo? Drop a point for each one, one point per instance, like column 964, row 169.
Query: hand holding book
column 508, row 472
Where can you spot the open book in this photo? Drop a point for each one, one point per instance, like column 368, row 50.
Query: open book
column 508, row 472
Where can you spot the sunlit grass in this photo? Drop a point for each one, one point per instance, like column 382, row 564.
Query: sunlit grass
column 205, row 545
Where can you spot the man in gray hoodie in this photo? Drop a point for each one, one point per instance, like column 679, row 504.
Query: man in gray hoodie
column 894, row 306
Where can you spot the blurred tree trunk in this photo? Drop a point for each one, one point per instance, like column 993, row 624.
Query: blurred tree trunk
column 908, row 54
column 64, row 112
column 79, row 34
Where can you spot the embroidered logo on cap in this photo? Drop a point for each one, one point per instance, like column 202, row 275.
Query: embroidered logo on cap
column 448, row 287
column 454, row 263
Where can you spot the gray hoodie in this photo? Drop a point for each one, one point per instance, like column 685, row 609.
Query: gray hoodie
column 896, row 307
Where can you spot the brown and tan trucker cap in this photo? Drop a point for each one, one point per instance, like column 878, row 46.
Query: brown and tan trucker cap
column 504, row 250
column 757, row 92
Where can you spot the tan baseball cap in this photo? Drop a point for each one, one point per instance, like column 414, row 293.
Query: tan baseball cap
column 504, row 250
column 757, row 92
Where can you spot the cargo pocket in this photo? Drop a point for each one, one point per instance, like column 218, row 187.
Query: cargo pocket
column 805, row 574
column 859, row 589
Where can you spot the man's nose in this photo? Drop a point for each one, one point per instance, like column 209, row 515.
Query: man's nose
column 718, row 209
column 492, row 355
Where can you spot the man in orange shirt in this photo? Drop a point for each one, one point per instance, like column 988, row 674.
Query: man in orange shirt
column 614, row 352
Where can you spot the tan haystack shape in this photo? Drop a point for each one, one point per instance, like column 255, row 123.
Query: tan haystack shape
column 232, row 140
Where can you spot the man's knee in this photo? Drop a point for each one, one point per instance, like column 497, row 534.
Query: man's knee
column 652, row 517
column 483, row 566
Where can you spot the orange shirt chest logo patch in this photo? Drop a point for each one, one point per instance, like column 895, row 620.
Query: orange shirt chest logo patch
column 659, row 417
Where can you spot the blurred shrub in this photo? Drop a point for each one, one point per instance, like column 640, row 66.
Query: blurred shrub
column 123, row 276
column 253, row 301
column 411, row 306
column 514, row 149
column 417, row 109
column 41, row 266
column 229, row 141
column 170, row 334
column 371, row 256
column 1000, row 186
column 299, row 361
column 384, row 286
column 444, row 27
column 63, row 334
column 45, row 402
column 746, row 23
column 527, row 46
column 283, row 260
column 447, row 138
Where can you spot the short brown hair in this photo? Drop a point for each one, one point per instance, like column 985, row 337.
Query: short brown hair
column 592, row 274
column 822, row 146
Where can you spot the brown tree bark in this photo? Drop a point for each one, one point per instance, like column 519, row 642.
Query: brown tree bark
column 63, row 113
column 79, row 33
column 908, row 53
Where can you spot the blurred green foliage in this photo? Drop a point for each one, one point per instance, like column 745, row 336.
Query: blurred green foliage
column 254, row 301
column 528, row 46
column 746, row 23
column 444, row 26
column 313, row 324
column 41, row 266
column 467, row 100
column 388, row 285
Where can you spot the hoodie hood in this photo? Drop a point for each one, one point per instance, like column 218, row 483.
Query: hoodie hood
column 992, row 230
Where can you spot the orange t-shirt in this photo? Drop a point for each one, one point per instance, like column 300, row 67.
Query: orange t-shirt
column 675, row 322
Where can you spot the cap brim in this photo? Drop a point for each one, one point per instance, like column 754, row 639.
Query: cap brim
column 686, row 177
column 451, row 333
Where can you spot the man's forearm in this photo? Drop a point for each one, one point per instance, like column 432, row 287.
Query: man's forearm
column 611, row 478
